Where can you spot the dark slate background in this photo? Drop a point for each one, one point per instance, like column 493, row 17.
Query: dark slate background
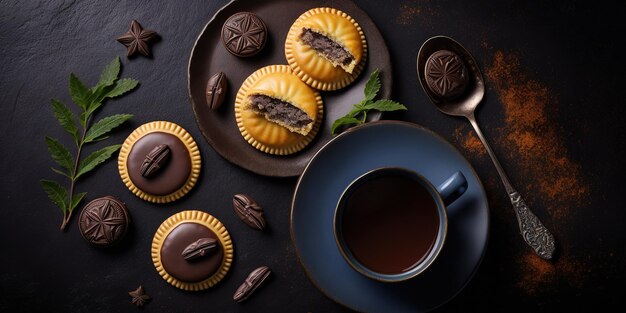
column 570, row 47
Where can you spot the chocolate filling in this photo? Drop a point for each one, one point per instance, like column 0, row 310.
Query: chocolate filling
column 278, row 110
column 326, row 47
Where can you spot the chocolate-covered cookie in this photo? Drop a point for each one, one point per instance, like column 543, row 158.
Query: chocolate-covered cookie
column 244, row 34
column 103, row 222
column 446, row 74
column 174, row 261
column 192, row 250
column 159, row 162
column 171, row 177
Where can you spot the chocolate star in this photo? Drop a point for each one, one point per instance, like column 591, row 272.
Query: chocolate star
column 139, row 297
column 137, row 39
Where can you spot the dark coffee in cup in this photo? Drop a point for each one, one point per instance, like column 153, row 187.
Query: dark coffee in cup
column 390, row 222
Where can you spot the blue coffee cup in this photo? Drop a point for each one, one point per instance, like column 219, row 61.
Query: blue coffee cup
column 390, row 223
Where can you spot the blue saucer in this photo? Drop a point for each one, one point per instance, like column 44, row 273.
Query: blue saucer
column 374, row 145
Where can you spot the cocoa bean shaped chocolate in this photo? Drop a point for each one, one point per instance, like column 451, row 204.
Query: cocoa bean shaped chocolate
column 248, row 211
column 155, row 160
column 252, row 283
column 216, row 90
column 199, row 248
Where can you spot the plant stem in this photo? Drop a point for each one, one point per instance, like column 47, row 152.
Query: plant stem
column 67, row 216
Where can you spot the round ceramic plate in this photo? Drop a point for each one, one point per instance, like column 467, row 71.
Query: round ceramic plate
column 209, row 57
column 374, row 145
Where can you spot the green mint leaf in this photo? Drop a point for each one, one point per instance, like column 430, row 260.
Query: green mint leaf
column 343, row 122
column 372, row 86
column 83, row 119
column 78, row 92
column 59, row 154
column 89, row 100
column 66, row 119
column 385, row 105
column 76, row 199
column 104, row 90
column 60, row 172
column 110, row 73
column 122, row 86
column 100, row 138
column 56, row 193
column 355, row 112
column 94, row 159
column 105, row 125
column 97, row 95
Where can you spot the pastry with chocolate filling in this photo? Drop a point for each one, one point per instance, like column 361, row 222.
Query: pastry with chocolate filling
column 326, row 48
column 159, row 162
column 276, row 112
column 192, row 250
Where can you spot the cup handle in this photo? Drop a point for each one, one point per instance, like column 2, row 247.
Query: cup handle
column 452, row 188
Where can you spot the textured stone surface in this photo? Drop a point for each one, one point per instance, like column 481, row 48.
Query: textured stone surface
column 41, row 42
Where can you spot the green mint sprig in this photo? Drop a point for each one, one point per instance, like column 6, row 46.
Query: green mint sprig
column 83, row 132
column 358, row 114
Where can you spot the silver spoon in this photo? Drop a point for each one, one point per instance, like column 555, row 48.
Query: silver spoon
column 534, row 233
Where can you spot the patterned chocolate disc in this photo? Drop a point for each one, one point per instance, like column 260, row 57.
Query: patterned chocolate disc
column 446, row 74
column 103, row 221
column 244, row 34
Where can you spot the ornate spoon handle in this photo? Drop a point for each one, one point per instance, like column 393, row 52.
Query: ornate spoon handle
column 534, row 233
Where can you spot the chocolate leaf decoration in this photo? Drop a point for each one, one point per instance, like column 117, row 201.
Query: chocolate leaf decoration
column 66, row 119
column 199, row 248
column 105, row 125
column 254, row 280
column 110, row 73
column 59, row 154
column 78, row 92
column 56, row 193
column 155, row 160
column 372, row 86
column 123, row 86
column 94, row 159
column 249, row 211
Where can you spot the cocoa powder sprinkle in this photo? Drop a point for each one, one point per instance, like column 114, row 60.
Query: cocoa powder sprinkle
column 534, row 141
column 534, row 149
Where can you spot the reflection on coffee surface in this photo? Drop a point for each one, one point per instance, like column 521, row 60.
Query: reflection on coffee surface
column 390, row 223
